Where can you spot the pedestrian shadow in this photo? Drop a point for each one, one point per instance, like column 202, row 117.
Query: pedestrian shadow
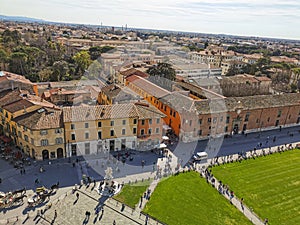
column 75, row 201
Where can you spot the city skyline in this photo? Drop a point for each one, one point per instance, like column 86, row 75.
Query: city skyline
column 277, row 19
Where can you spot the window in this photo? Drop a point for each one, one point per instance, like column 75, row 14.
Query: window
column 257, row 120
column 157, row 130
column 200, row 121
column 87, row 148
column 158, row 120
column 44, row 142
column 268, row 119
column 209, row 120
column 174, row 114
column 58, row 141
column 86, row 125
column 72, row 126
column 135, row 121
column 142, row 131
column 134, row 130
column 214, row 119
column 199, row 132
column 227, row 119
column 112, row 123
column 149, row 131
column 99, row 124
column 73, row 137
column 226, row 129
column 209, row 127
column 32, row 141
column 143, row 122
column 247, row 117
column 165, row 107
column 99, row 134
column 19, row 134
column 124, row 122
column 150, row 121
column 221, row 119
column 112, row 133
column 58, row 131
column 123, row 131
column 26, row 138
column 171, row 112
column 191, row 122
column 279, row 113
column 43, row 132
column 87, row 135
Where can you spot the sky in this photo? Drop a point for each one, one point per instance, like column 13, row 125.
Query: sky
column 263, row 18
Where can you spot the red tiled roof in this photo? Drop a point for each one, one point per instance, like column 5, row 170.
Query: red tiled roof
column 91, row 113
column 17, row 106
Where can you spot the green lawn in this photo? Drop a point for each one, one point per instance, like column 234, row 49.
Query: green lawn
column 131, row 193
column 187, row 199
column 270, row 185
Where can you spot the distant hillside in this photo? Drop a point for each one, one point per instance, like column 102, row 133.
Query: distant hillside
column 20, row 19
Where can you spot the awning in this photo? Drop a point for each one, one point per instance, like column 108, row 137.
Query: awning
column 162, row 145
column 166, row 127
column 5, row 139
column 165, row 138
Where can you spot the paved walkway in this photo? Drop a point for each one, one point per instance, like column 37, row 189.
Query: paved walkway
column 70, row 213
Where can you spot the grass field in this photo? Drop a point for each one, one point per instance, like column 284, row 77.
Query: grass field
column 187, row 199
column 270, row 185
column 131, row 193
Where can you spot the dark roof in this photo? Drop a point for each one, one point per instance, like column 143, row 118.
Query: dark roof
column 111, row 91
column 11, row 97
column 177, row 101
column 43, row 118
column 18, row 105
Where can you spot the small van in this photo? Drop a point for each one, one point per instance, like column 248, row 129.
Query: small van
column 200, row 155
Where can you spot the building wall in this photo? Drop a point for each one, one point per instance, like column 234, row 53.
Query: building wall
column 80, row 131
column 149, row 140
column 258, row 119
column 33, row 146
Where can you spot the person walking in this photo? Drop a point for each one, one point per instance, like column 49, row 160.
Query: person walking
column 55, row 214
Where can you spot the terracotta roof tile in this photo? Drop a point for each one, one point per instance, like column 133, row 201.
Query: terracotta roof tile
column 91, row 113
column 18, row 105
column 41, row 119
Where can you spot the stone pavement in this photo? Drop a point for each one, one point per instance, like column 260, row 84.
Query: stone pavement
column 89, row 199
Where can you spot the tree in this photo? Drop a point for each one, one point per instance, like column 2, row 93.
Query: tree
column 94, row 69
column 82, row 60
column 96, row 51
column 18, row 63
column 3, row 59
column 44, row 74
column 163, row 70
column 60, row 70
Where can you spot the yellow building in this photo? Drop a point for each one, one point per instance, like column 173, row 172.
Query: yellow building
column 40, row 133
column 93, row 129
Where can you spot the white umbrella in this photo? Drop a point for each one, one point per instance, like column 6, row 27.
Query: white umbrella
column 162, row 145
column 165, row 137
